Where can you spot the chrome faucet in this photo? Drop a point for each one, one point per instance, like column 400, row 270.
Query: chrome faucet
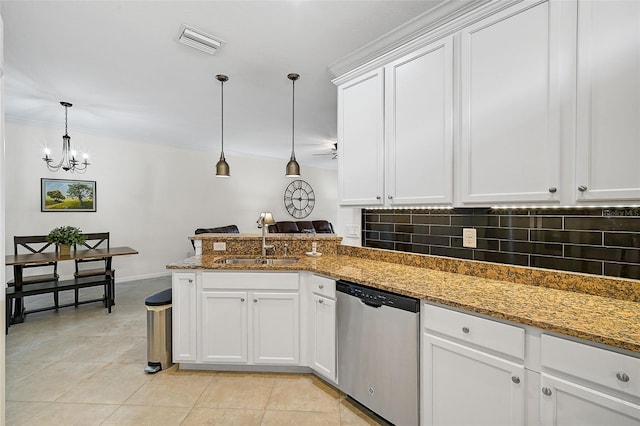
column 265, row 219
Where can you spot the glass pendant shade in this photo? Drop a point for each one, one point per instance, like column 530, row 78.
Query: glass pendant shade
column 293, row 168
column 222, row 167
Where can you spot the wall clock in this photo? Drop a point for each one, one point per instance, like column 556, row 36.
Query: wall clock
column 299, row 199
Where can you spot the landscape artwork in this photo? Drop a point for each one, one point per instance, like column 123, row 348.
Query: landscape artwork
column 62, row 195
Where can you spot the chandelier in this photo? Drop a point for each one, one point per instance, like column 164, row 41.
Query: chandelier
column 68, row 162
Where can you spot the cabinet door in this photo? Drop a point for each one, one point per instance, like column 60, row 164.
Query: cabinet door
column 324, row 337
column 225, row 333
column 608, row 133
column 276, row 328
column 184, row 316
column 464, row 386
column 420, row 126
column 564, row 403
column 361, row 140
column 510, row 141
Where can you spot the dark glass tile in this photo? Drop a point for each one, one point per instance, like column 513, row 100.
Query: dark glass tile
column 497, row 257
column 392, row 236
column 432, row 219
column 452, row 252
column 548, row 249
column 430, row 239
column 603, row 223
column 413, row 229
column 483, row 220
column 621, row 212
column 531, row 222
column 575, row 237
column 622, row 239
column 381, row 244
column 446, row 230
column 502, row 233
column 622, row 270
column 395, row 218
column 407, row 229
column 574, row 265
column 382, row 227
column 481, row 243
column 413, row 248
column 372, row 235
column 603, row 253
column 567, row 212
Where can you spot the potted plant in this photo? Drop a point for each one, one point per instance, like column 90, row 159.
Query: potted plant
column 64, row 236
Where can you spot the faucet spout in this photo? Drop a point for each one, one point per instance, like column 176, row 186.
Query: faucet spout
column 264, row 239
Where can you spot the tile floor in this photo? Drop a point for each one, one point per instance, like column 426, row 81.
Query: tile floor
column 86, row 367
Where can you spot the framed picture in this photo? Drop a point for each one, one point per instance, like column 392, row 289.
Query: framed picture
column 62, row 195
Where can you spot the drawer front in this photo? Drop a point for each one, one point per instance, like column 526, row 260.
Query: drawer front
column 250, row 280
column 600, row 366
column 493, row 335
column 323, row 286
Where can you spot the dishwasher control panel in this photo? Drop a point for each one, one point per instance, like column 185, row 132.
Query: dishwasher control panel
column 377, row 298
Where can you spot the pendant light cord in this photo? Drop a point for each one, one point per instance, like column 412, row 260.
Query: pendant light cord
column 293, row 116
column 222, row 118
column 66, row 132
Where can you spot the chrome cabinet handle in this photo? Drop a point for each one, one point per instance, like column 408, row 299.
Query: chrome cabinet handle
column 546, row 391
column 623, row 377
column 553, row 190
column 465, row 330
column 582, row 188
column 515, row 379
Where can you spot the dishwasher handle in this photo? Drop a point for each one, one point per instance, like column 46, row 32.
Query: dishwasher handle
column 371, row 303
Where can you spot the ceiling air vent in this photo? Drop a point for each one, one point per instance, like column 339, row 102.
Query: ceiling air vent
column 199, row 40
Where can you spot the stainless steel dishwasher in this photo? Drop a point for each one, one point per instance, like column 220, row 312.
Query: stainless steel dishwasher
column 378, row 344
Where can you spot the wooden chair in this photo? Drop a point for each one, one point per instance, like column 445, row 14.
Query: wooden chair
column 93, row 267
column 48, row 270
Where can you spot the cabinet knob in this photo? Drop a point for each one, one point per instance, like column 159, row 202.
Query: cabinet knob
column 255, row 300
column 582, row 188
column 242, row 299
column 378, row 197
column 320, row 301
column 553, row 190
column 623, row 377
column 321, row 286
column 546, row 391
column 190, row 281
column 390, row 197
column 515, row 379
column 465, row 330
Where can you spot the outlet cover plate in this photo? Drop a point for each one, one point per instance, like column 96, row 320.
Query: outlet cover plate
column 469, row 238
column 220, row 246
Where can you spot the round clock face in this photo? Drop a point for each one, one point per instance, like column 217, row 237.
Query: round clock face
column 299, row 199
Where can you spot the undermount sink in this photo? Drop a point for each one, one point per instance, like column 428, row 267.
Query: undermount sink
column 258, row 261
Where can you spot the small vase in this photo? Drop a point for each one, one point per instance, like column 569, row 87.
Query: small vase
column 65, row 249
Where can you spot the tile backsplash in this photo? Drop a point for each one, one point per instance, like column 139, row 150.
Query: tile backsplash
column 603, row 241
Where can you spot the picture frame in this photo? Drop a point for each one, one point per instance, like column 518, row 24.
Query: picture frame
column 66, row 195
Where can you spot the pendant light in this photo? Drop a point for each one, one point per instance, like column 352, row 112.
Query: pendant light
column 222, row 168
column 68, row 162
column 293, row 168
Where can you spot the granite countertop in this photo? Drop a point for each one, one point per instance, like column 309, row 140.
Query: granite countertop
column 599, row 319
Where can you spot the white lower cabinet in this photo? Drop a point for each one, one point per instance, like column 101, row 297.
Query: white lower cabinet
column 184, row 316
column 584, row 385
column 323, row 327
column 250, row 318
column 468, row 383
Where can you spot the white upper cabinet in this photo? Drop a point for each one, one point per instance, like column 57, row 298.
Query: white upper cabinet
column 419, row 117
column 608, row 107
column 361, row 140
column 510, row 106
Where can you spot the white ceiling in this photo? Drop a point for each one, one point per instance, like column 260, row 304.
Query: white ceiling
column 121, row 66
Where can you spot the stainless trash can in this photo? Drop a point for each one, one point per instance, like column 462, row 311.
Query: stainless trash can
column 158, row 331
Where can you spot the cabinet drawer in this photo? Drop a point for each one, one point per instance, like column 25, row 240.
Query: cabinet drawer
column 323, row 286
column 250, row 280
column 600, row 366
column 493, row 335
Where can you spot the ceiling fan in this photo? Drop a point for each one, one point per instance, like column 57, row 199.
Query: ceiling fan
column 333, row 153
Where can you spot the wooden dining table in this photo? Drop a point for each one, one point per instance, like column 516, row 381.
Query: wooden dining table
column 20, row 260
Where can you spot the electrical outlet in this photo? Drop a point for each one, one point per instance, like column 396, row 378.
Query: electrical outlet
column 352, row 231
column 469, row 238
column 220, row 246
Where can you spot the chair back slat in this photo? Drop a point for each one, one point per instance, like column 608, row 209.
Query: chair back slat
column 34, row 244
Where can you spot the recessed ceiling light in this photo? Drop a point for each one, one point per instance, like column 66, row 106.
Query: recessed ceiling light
column 200, row 40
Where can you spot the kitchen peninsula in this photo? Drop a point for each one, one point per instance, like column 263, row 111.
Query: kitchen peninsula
column 529, row 325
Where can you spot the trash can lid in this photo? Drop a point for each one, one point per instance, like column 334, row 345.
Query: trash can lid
column 159, row 299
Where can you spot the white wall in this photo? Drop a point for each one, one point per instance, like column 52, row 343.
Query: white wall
column 150, row 197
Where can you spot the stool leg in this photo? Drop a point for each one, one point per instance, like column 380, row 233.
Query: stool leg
column 55, row 299
column 76, row 291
